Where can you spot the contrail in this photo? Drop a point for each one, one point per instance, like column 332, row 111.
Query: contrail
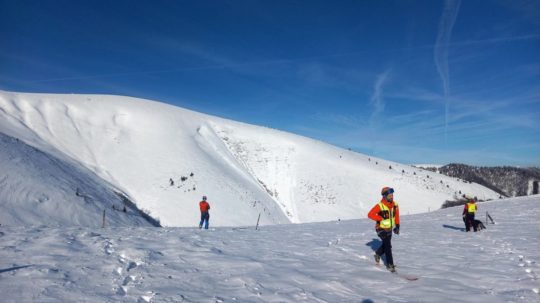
column 377, row 101
column 448, row 18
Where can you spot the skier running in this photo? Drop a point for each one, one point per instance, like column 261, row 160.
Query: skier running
column 386, row 216
column 205, row 215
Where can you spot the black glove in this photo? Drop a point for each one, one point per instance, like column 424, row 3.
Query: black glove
column 396, row 229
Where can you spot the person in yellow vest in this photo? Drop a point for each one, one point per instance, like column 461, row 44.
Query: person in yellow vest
column 468, row 213
column 386, row 215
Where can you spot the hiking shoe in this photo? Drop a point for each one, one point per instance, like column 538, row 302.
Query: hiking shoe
column 377, row 258
column 391, row 267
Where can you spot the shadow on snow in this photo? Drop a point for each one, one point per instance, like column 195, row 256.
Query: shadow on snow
column 454, row 227
column 13, row 268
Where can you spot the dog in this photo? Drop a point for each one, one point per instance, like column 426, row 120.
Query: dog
column 478, row 225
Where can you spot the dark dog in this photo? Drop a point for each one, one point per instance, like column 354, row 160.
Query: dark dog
column 478, row 225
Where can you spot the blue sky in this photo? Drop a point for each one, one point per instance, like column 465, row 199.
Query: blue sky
column 410, row 81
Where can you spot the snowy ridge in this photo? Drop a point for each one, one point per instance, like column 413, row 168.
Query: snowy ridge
column 138, row 145
column 317, row 262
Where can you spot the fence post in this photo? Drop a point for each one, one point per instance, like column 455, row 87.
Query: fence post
column 490, row 218
column 257, row 226
column 103, row 224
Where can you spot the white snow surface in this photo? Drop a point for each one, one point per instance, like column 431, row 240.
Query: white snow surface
column 37, row 188
column 314, row 262
column 136, row 146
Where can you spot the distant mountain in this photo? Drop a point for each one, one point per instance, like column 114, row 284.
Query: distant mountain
column 165, row 158
column 506, row 180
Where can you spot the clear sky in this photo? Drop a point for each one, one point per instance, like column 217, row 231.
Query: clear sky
column 410, row 81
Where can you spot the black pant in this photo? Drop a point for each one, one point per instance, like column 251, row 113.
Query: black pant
column 386, row 247
column 469, row 221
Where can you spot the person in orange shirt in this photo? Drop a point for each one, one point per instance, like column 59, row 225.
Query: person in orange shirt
column 386, row 216
column 204, row 206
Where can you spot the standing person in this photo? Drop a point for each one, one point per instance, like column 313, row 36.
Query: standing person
column 205, row 215
column 468, row 213
column 386, row 216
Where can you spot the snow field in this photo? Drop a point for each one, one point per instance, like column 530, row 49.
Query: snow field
column 315, row 262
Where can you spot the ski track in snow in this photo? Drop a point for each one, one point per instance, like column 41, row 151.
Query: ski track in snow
column 316, row 262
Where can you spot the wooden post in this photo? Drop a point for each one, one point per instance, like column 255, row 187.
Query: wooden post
column 490, row 218
column 103, row 224
column 257, row 226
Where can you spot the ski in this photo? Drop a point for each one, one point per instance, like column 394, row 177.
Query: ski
column 406, row 277
column 398, row 274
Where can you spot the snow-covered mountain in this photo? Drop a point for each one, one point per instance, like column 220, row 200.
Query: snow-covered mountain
column 318, row 262
column 164, row 158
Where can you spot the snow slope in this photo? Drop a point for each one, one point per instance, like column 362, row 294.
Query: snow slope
column 37, row 188
column 138, row 145
column 316, row 262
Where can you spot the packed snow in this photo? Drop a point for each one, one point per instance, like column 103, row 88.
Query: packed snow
column 315, row 262
column 164, row 159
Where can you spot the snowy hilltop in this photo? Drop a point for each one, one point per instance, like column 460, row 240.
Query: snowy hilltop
column 163, row 158
column 317, row 262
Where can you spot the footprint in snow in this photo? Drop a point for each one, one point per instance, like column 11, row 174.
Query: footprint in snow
column 108, row 248
column 216, row 250
column 123, row 282
column 147, row 297
column 128, row 279
column 527, row 264
column 122, row 291
column 131, row 265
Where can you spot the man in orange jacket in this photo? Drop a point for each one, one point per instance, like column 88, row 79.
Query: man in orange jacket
column 386, row 216
column 205, row 215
